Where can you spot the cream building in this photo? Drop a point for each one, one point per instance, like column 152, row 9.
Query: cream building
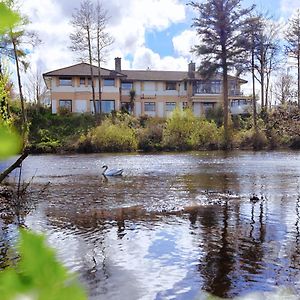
column 157, row 93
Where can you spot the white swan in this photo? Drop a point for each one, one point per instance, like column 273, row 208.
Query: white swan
column 111, row 172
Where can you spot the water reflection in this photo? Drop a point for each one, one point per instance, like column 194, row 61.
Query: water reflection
column 174, row 224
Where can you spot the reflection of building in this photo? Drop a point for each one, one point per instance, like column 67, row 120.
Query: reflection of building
column 157, row 93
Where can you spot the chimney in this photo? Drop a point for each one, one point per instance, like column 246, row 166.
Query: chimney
column 191, row 69
column 118, row 64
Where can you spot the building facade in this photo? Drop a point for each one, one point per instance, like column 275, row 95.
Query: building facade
column 156, row 93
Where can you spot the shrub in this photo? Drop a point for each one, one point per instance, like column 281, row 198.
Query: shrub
column 215, row 114
column 113, row 137
column 178, row 130
column 205, row 135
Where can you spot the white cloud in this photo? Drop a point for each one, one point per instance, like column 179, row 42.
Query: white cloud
column 182, row 43
column 128, row 24
column 287, row 7
column 145, row 58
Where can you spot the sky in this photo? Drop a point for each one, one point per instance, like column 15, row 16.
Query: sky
column 153, row 34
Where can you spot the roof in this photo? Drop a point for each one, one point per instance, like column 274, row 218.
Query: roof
column 83, row 69
column 155, row 75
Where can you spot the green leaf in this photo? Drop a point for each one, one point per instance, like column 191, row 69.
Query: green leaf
column 38, row 275
column 10, row 142
column 8, row 18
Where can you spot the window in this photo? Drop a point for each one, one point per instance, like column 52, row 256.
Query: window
column 109, row 82
column 82, row 81
column 65, row 104
column 98, row 106
column 185, row 85
column 208, row 106
column 126, row 85
column 65, row 81
column 107, row 106
column 170, row 106
column 238, row 102
column 89, row 81
column 208, row 87
column 149, row 106
column 171, row 85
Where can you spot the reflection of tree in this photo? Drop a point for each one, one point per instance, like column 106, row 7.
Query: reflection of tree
column 295, row 255
column 252, row 252
column 218, row 261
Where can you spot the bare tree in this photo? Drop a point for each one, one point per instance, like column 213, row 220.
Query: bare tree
column 103, row 40
column 284, row 88
column 34, row 86
column 220, row 26
column 83, row 22
column 266, row 56
column 292, row 37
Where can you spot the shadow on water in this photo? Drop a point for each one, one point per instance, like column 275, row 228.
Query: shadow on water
column 174, row 224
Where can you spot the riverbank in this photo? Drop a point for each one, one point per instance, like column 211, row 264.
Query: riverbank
column 120, row 132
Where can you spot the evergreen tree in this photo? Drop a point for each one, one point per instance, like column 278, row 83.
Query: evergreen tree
column 221, row 27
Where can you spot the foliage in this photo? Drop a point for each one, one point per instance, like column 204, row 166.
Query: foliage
column 150, row 136
column 113, row 137
column 221, row 27
column 215, row 114
column 9, row 142
column 178, row 130
column 184, row 131
column 38, row 274
column 51, row 133
column 205, row 136
column 8, row 18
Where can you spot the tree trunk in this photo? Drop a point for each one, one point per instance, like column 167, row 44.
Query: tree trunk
column 99, row 66
column 253, row 91
column 225, row 100
column 15, row 165
column 24, row 121
column 91, row 68
column 298, row 65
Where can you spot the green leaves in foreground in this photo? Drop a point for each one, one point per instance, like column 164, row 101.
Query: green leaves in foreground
column 10, row 142
column 38, row 275
column 8, row 18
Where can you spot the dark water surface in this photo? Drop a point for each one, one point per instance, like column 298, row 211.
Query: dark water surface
column 175, row 224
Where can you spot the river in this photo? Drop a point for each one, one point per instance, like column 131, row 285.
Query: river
column 174, row 225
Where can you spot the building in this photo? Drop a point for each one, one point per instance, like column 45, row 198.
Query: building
column 157, row 93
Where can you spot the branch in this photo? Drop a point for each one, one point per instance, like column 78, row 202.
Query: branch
column 15, row 165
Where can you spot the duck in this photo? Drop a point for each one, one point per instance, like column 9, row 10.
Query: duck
column 254, row 198
column 111, row 172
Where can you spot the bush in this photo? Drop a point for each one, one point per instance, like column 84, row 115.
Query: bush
column 113, row 137
column 251, row 139
column 150, row 137
column 215, row 114
column 178, row 130
column 205, row 135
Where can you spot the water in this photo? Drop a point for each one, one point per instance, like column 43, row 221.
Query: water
column 174, row 226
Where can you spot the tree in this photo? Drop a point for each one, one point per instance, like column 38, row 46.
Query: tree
column 103, row 40
column 254, row 26
column 82, row 38
column 13, row 42
column 35, row 87
column 266, row 55
column 284, row 88
column 292, row 37
column 221, row 26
